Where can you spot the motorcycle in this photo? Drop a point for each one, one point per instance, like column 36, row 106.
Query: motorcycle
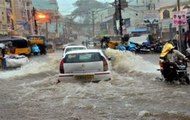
column 131, row 47
column 145, row 47
column 157, row 47
column 175, row 72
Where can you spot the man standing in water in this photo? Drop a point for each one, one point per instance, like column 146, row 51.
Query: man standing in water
column 2, row 55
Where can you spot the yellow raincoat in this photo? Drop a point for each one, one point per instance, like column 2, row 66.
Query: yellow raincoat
column 166, row 49
column 171, row 56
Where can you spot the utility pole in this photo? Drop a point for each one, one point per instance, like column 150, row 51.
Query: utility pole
column 93, row 23
column 46, row 30
column 120, row 18
column 115, row 17
column 180, row 35
column 35, row 21
column 56, row 24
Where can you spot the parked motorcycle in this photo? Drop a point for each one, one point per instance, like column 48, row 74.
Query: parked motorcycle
column 157, row 47
column 131, row 47
column 145, row 47
column 175, row 72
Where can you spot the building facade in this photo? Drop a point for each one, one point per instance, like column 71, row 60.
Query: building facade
column 22, row 10
column 51, row 28
column 16, row 17
column 166, row 15
column 3, row 18
column 132, row 15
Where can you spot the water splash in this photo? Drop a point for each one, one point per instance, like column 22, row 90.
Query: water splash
column 33, row 67
column 128, row 62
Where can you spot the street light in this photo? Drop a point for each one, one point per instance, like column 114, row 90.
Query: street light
column 42, row 17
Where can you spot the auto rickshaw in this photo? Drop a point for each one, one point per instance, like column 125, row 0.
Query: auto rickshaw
column 17, row 45
column 40, row 41
column 114, row 41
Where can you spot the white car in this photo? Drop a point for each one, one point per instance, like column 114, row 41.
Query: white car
column 72, row 48
column 87, row 65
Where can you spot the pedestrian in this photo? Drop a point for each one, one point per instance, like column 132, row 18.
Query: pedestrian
column 2, row 55
column 104, row 42
column 188, row 38
column 176, row 40
column 183, row 42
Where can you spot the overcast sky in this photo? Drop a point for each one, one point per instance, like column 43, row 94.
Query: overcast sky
column 66, row 7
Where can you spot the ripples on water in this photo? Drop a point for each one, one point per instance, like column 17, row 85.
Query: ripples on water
column 132, row 94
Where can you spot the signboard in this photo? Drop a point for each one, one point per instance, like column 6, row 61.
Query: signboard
column 166, row 23
column 152, row 16
column 179, row 18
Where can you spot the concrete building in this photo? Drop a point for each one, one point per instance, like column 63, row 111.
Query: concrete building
column 132, row 16
column 3, row 18
column 52, row 29
column 22, row 11
column 166, row 16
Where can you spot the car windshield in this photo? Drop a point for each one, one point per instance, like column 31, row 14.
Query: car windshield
column 74, row 48
column 20, row 43
column 82, row 57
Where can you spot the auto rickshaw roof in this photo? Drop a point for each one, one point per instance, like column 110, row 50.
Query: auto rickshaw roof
column 7, row 39
column 36, row 36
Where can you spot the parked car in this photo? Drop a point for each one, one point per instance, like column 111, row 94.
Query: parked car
column 90, row 65
column 72, row 48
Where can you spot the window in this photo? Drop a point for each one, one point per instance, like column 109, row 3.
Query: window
column 74, row 48
column 166, row 14
column 82, row 57
column 20, row 43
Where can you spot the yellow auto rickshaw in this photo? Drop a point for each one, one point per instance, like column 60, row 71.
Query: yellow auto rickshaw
column 114, row 41
column 40, row 41
column 17, row 45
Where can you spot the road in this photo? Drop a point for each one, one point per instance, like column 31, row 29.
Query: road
column 31, row 92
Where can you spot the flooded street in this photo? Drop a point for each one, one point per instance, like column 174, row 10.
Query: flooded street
column 31, row 92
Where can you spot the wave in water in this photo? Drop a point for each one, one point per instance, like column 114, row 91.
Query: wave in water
column 128, row 62
column 33, row 67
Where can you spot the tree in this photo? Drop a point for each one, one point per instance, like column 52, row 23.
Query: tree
column 84, row 8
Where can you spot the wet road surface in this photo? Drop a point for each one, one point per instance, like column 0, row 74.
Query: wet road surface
column 31, row 93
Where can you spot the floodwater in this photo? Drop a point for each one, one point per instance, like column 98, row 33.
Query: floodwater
column 32, row 92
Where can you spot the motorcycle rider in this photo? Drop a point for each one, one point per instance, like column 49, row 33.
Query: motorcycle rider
column 168, row 57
